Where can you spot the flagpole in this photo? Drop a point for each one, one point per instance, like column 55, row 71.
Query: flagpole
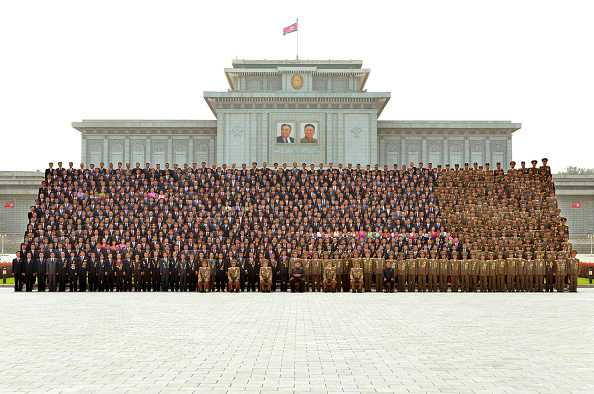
column 297, row 25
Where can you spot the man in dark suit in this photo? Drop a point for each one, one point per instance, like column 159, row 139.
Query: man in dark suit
column 30, row 269
column 41, row 272
column 285, row 137
column 17, row 272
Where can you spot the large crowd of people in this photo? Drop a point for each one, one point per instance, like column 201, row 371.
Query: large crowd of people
column 336, row 228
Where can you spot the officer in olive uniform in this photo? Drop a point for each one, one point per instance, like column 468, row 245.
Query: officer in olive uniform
column 443, row 272
column 473, row 272
column 483, row 272
column 574, row 269
column 411, row 272
column 233, row 275
column 265, row 277
column 204, row 277
column 529, row 272
column 560, row 272
column 549, row 272
column 338, row 264
column 356, row 277
column 423, row 270
column 401, row 271
column 464, row 271
column 454, row 271
column 378, row 268
column 306, row 262
column 539, row 272
column 501, row 266
column 492, row 272
column 511, row 272
column 329, row 277
column 368, row 270
column 316, row 273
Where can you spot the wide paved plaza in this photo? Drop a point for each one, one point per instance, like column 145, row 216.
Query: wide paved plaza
column 421, row 342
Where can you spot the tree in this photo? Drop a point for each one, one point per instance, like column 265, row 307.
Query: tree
column 577, row 171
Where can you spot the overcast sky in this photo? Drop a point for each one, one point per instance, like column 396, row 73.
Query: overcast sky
column 526, row 61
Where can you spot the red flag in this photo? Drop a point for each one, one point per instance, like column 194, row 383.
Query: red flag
column 290, row 29
column 576, row 204
column 9, row 205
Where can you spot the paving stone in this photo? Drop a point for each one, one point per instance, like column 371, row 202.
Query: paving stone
column 495, row 343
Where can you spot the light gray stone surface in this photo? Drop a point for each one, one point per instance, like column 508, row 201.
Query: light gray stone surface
column 419, row 342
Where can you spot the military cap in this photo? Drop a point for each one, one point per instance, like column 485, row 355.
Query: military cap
column 325, row 254
column 500, row 253
column 390, row 253
column 545, row 159
column 528, row 253
column 523, row 162
column 559, row 254
column 498, row 163
column 465, row 164
column 464, row 253
column 443, row 252
column 422, row 252
column 434, row 252
column 411, row 252
column 511, row 163
column 487, row 164
column 574, row 251
column 534, row 161
column 491, row 254
column 563, row 219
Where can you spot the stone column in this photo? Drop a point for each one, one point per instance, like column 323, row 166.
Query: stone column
column 466, row 157
column 83, row 149
column 488, row 154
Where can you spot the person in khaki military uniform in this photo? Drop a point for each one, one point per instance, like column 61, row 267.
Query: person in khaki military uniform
column 473, row 272
column 204, row 277
column 265, row 277
column 378, row 269
column 454, row 271
column 574, row 269
column 560, row 272
column 483, row 268
column 356, row 277
column 367, row 270
column 233, row 274
column 501, row 266
column 521, row 278
column 411, row 272
column 329, row 277
column 511, row 271
column 339, row 266
column 464, row 271
column 492, row 272
column 423, row 270
column 306, row 263
column 539, row 272
column 529, row 272
column 549, row 272
column 316, row 269
column 443, row 271
column 401, row 271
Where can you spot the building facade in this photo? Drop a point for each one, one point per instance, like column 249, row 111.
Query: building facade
column 323, row 109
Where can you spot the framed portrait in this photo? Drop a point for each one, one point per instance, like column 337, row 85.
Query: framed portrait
column 285, row 133
column 308, row 133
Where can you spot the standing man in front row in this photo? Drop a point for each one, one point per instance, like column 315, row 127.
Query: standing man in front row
column 574, row 269
column 17, row 272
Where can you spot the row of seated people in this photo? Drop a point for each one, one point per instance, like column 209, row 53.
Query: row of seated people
column 467, row 271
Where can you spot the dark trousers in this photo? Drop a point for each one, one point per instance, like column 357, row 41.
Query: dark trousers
column 73, row 283
column 183, row 282
column 92, row 282
column 483, row 283
column 367, row 281
column 251, row 282
column 29, row 281
column 82, row 282
column 40, row 282
column 156, row 281
column 379, row 283
column 18, row 282
column 389, row 284
column 500, row 282
column 454, row 283
column 138, row 286
column 119, row 283
column 220, row 282
column 62, row 282
column 283, row 282
column 297, row 281
column 165, row 282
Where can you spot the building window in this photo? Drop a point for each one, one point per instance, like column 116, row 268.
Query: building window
column 181, row 152
column 435, row 154
column 477, row 154
column 159, row 154
column 414, row 153
column 95, row 153
column 456, row 154
column 116, row 154
column 201, row 153
column 498, row 155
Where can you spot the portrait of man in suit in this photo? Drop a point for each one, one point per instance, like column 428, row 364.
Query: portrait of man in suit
column 285, row 130
column 308, row 131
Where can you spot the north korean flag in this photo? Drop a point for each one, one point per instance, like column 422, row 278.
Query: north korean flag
column 576, row 204
column 9, row 205
column 290, row 29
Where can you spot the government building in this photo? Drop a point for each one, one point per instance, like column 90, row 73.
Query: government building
column 303, row 111
column 327, row 99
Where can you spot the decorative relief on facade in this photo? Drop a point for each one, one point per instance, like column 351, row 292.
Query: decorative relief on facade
column 392, row 148
column 434, row 148
column 95, row 147
column 297, row 81
column 413, row 148
column 159, row 148
column 306, row 151
column 201, row 147
column 237, row 131
column 181, row 148
column 356, row 132
column 455, row 148
column 476, row 148
column 498, row 148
